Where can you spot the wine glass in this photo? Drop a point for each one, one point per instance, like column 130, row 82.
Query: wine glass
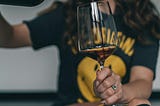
column 97, row 32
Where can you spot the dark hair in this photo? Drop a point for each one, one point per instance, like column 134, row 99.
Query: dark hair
column 143, row 17
column 71, row 19
column 140, row 15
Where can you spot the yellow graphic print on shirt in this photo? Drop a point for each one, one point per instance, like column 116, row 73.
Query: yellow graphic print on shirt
column 87, row 74
column 87, row 68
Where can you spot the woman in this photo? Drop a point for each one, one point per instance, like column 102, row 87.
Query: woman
column 140, row 16
column 130, row 80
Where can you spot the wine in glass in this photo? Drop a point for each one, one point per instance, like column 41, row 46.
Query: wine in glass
column 97, row 32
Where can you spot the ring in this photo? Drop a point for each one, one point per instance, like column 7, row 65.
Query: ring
column 114, row 87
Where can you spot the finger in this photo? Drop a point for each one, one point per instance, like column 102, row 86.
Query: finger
column 117, row 86
column 107, row 93
column 113, row 99
column 111, row 90
column 112, row 95
column 96, row 82
column 116, row 96
column 101, row 75
column 95, row 85
column 105, row 84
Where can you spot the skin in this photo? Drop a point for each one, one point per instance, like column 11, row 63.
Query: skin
column 141, row 78
column 133, row 93
column 13, row 36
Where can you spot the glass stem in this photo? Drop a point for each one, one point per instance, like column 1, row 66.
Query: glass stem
column 101, row 62
column 101, row 65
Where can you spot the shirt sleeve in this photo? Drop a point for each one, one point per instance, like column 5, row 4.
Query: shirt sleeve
column 47, row 29
column 146, row 55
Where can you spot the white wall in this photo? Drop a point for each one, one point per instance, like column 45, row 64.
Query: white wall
column 26, row 70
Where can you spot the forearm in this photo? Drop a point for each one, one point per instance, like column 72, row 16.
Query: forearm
column 136, row 89
column 6, row 31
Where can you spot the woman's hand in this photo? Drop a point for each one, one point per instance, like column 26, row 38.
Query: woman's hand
column 107, row 86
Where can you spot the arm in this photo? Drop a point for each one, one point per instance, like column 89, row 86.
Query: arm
column 135, row 92
column 140, row 84
column 13, row 36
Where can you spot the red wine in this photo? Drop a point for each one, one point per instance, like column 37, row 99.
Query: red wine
column 101, row 52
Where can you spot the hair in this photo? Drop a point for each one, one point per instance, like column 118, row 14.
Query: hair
column 140, row 15
column 143, row 17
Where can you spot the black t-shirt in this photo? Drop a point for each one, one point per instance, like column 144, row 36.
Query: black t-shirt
column 78, row 71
